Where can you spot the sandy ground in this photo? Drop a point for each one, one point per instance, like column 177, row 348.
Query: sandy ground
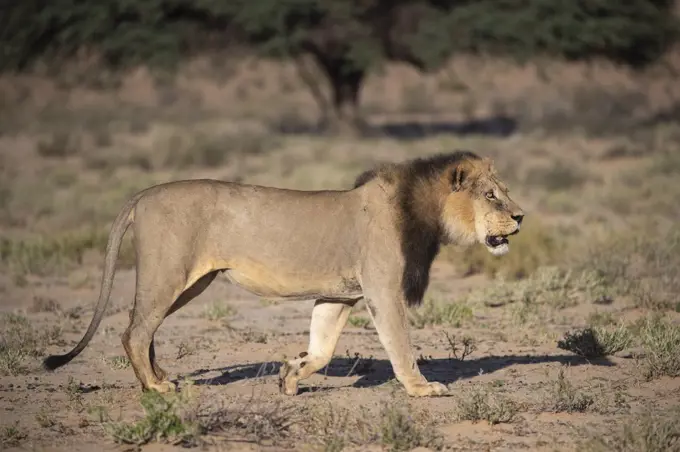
column 232, row 364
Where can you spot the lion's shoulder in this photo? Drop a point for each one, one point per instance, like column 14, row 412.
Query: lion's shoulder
column 387, row 172
column 364, row 177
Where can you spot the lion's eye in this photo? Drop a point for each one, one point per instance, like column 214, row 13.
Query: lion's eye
column 490, row 195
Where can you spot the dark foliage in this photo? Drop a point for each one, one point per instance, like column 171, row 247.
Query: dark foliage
column 346, row 38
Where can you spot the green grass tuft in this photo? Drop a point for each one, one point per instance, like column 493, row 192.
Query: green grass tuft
column 596, row 342
column 359, row 322
column 163, row 422
column 661, row 342
column 219, row 311
column 485, row 403
column 434, row 312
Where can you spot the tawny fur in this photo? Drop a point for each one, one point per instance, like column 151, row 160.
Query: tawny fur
column 375, row 241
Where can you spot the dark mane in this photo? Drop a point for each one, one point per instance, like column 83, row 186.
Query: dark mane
column 431, row 167
column 421, row 168
column 421, row 231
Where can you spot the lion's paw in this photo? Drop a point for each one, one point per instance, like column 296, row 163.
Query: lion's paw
column 427, row 389
column 288, row 381
column 163, row 387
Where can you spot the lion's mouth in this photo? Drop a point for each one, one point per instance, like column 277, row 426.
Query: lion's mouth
column 494, row 241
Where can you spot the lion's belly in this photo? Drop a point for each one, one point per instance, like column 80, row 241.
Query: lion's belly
column 279, row 283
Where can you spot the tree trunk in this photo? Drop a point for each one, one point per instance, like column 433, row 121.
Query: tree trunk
column 342, row 116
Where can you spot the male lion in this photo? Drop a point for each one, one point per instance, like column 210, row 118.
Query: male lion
column 375, row 241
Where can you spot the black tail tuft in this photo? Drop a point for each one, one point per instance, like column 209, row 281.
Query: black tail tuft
column 54, row 361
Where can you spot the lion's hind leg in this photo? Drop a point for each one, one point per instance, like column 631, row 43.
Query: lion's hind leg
column 328, row 319
column 161, row 374
column 192, row 292
column 158, row 290
column 137, row 340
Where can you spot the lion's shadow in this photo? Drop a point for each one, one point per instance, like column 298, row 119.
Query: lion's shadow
column 374, row 372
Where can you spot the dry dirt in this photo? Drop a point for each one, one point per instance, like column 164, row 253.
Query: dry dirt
column 235, row 362
column 231, row 356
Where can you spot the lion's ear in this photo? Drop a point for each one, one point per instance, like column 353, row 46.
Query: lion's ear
column 459, row 175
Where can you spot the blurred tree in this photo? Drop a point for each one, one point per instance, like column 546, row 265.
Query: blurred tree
column 124, row 33
column 346, row 38
column 633, row 32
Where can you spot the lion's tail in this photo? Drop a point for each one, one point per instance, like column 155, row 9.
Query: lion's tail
column 118, row 229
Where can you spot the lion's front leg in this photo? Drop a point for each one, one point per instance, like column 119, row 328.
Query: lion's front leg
column 391, row 322
column 328, row 319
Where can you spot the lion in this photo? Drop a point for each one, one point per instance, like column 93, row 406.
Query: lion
column 375, row 241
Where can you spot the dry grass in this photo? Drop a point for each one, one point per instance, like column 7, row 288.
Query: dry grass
column 396, row 427
column 601, row 319
column 185, row 349
column 59, row 145
column 559, row 176
column 485, row 403
column 460, row 349
column 44, row 419
column 20, row 342
column 43, row 256
column 551, row 286
column 252, row 420
column 183, row 418
column 644, row 267
column 202, row 149
column 12, row 436
column 653, row 431
column 45, row 304
column 47, row 255
column 118, row 362
column 649, row 191
column 564, row 397
column 335, row 428
column 400, row 430
column 595, row 108
column 667, row 162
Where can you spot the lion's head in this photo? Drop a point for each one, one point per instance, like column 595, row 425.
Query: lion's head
column 456, row 198
column 477, row 205
column 446, row 198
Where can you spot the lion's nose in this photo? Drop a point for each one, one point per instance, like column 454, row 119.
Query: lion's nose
column 518, row 218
